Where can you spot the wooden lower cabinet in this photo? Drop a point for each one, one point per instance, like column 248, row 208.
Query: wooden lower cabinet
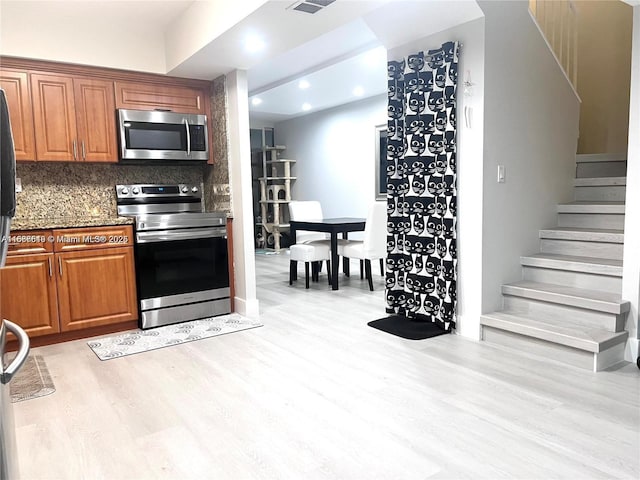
column 68, row 291
column 29, row 293
column 96, row 287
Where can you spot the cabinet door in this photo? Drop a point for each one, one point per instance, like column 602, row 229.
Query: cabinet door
column 96, row 287
column 29, row 293
column 16, row 87
column 142, row 96
column 96, row 118
column 54, row 118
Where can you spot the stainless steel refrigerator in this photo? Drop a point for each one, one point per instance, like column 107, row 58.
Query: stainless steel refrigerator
column 10, row 363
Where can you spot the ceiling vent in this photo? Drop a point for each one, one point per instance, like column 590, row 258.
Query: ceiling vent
column 311, row 6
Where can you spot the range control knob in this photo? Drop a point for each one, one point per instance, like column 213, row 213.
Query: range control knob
column 184, row 189
column 135, row 190
column 194, row 189
column 124, row 191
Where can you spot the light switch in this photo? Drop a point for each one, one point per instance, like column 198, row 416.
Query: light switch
column 501, row 174
column 18, row 185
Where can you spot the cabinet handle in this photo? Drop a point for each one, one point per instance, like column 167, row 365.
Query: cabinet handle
column 84, row 154
column 60, row 265
column 75, row 150
column 50, row 268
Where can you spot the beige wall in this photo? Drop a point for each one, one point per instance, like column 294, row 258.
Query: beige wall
column 604, row 70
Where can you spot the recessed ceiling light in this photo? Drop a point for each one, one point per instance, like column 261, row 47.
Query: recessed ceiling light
column 303, row 84
column 306, row 106
column 358, row 91
column 253, row 43
column 256, row 101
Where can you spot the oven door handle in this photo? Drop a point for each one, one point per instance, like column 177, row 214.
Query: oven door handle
column 187, row 234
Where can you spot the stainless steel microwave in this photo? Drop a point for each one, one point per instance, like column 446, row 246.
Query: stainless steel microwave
column 161, row 135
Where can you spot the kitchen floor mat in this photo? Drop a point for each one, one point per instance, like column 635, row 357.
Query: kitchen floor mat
column 31, row 381
column 144, row 340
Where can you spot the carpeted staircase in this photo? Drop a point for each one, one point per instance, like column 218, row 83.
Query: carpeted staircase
column 568, row 306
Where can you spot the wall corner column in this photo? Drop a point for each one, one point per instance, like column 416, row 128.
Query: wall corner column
column 631, row 259
column 246, row 302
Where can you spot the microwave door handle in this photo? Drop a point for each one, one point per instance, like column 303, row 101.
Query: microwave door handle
column 186, row 124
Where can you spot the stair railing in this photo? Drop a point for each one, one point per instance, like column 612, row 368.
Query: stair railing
column 558, row 22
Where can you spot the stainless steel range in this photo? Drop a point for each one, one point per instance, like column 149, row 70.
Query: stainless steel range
column 181, row 253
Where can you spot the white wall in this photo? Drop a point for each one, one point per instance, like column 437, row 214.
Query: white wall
column 245, row 298
column 200, row 24
column 631, row 260
column 531, row 127
column 335, row 155
column 470, row 146
column 47, row 31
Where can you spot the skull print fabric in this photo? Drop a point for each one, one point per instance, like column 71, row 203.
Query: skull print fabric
column 421, row 186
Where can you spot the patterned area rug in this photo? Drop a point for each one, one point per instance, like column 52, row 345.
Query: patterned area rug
column 145, row 340
column 32, row 380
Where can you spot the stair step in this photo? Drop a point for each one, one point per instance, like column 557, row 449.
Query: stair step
column 616, row 208
column 608, row 235
column 600, row 157
column 591, row 220
column 574, row 336
column 587, row 348
column 601, row 165
column 560, row 314
column 600, row 182
column 577, row 297
column 598, row 266
column 583, row 249
column 600, row 189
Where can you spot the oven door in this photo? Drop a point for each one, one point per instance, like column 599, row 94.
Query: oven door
column 172, row 267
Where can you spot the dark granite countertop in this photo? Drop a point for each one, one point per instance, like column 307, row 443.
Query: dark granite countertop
column 48, row 223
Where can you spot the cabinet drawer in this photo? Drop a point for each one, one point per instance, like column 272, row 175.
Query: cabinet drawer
column 28, row 242
column 143, row 96
column 74, row 239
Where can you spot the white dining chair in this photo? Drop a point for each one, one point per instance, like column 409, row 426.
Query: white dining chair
column 374, row 244
column 313, row 254
column 306, row 210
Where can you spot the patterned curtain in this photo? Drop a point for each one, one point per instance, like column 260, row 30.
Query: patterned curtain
column 421, row 186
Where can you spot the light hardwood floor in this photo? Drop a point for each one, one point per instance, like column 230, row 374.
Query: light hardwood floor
column 317, row 394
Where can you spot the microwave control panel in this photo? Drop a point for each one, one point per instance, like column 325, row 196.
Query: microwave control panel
column 198, row 138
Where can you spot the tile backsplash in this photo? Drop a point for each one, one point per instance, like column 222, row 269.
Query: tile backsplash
column 70, row 190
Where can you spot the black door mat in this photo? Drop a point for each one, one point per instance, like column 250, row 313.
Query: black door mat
column 407, row 327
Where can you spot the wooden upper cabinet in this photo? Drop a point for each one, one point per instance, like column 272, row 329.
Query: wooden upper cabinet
column 96, row 120
column 143, row 96
column 54, row 118
column 29, row 293
column 75, row 119
column 16, row 87
column 67, row 113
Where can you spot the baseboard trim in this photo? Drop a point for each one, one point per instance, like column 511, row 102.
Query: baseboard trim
column 248, row 308
column 468, row 326
column 632, row 350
